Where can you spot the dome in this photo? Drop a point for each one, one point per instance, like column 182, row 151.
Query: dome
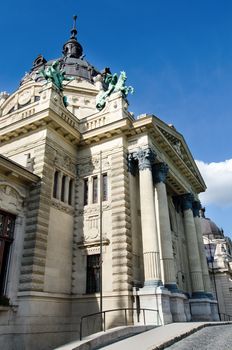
column 210, row 228
column 72, row 61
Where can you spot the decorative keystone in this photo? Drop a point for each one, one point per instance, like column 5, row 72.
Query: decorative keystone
column 160, row 172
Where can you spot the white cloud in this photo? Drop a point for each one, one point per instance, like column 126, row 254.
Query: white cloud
column 218, row 179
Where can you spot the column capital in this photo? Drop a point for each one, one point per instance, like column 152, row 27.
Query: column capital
column 183, row 202
column 132, row 164
column 187, row 201
column 160, row 172
column 145, row 158
column 196, row 208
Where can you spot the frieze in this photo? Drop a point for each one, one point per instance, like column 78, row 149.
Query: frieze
column 64, row 162
column 93, row 165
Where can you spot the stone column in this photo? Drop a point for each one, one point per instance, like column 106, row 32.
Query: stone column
column 204, row 266
column 66, row 189
column 151, row 255
column 160, row 171
column 193, row 248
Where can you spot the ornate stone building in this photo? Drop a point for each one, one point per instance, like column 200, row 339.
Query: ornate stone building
column 218, row 249
column 85, row 187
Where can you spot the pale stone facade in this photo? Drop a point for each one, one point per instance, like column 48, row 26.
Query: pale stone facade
column 145, row 214
column 218, row 248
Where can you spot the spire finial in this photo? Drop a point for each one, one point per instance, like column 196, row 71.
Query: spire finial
column 74, row 29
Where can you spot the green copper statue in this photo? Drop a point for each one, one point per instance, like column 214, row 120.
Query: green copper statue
column 114, row 84
column 55, row 75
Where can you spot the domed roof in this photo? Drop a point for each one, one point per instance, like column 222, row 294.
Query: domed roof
column 209, row 227
column 72, row 61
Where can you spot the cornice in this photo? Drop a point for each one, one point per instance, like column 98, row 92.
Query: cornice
column 148, row 124
column 64, row 123
column 12, row 169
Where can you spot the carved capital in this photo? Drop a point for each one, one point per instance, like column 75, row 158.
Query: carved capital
column 196, row 208
column 183, row 202
column 159, row 171
column 132, row 164
column 187, row 201
column 145, row 158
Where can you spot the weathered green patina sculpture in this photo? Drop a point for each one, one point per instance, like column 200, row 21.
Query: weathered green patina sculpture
column 55, row 75
column 114, row 84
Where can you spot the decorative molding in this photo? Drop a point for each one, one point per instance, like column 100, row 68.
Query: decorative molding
column 96, row 243
column 62, row 206
column 92, row 165
column 64, row 162
column 160, row 172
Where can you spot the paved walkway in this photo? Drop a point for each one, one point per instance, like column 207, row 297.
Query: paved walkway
column 161, row 337
column 216, row 337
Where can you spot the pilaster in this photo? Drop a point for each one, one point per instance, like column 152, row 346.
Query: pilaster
column 121, row 225
column 37, row 221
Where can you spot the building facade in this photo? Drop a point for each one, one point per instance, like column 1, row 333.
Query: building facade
column 107, row 200
column 218, row 249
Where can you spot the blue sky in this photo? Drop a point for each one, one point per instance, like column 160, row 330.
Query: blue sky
column 177, row 55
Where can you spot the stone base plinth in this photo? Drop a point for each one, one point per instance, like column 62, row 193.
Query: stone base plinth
column 156, row 298
column 177, row 307
column 187, row 310
column 200, row 309
column 214, row 310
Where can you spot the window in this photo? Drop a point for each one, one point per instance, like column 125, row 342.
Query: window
column 93, row 274
column 86, row 191
column 95, row 189
column 104, row 187
column 55, row 184
column 70, row 192
column 7, row 223
column 63, row 188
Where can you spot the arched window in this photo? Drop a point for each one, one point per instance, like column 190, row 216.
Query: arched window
column 63, row 188
column 55, row 184
column 70, row 192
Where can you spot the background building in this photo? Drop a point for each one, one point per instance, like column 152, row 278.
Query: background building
column 218, row 249
column 95, row 187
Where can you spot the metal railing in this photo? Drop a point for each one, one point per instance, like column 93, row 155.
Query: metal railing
column 103, row 319
column 225, row 317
